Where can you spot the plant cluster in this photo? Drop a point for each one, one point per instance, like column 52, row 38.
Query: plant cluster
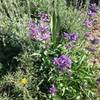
column 42, row 52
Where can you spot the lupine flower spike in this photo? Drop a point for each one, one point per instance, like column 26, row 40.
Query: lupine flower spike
column 63, row 62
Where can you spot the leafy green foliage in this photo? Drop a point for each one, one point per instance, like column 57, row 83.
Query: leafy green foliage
column 21, row 57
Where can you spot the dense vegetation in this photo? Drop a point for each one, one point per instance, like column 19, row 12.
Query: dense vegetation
column 42, row 50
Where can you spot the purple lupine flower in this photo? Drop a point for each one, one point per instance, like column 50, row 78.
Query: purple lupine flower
column 63, row 62
column 55, row 61
column 52, row 90
column 45, row 36
column 74, row 37
column 33, row 28
column 32, row 24
column 44, row 24
column 90, row 13
column 45, row 33
column 40, row 31
column 66, row 36
column 92, row 10
column 88, row 23
column 93, row 7
column 44, row 29
column 44, row 17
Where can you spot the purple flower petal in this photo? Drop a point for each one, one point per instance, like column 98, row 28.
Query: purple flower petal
column 93, row 7
column 90, row 13
column 74, row 37
column 44, row 17
column 66, row 36
column 41, row 31
column 63, row 62
column 45, row 36
column 52, row 90
column 88, row 23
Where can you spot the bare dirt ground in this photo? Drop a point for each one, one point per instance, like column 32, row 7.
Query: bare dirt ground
column 94, row 44
column 96, row 32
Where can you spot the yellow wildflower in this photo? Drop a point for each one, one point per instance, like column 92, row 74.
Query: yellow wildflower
column 24, row 81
